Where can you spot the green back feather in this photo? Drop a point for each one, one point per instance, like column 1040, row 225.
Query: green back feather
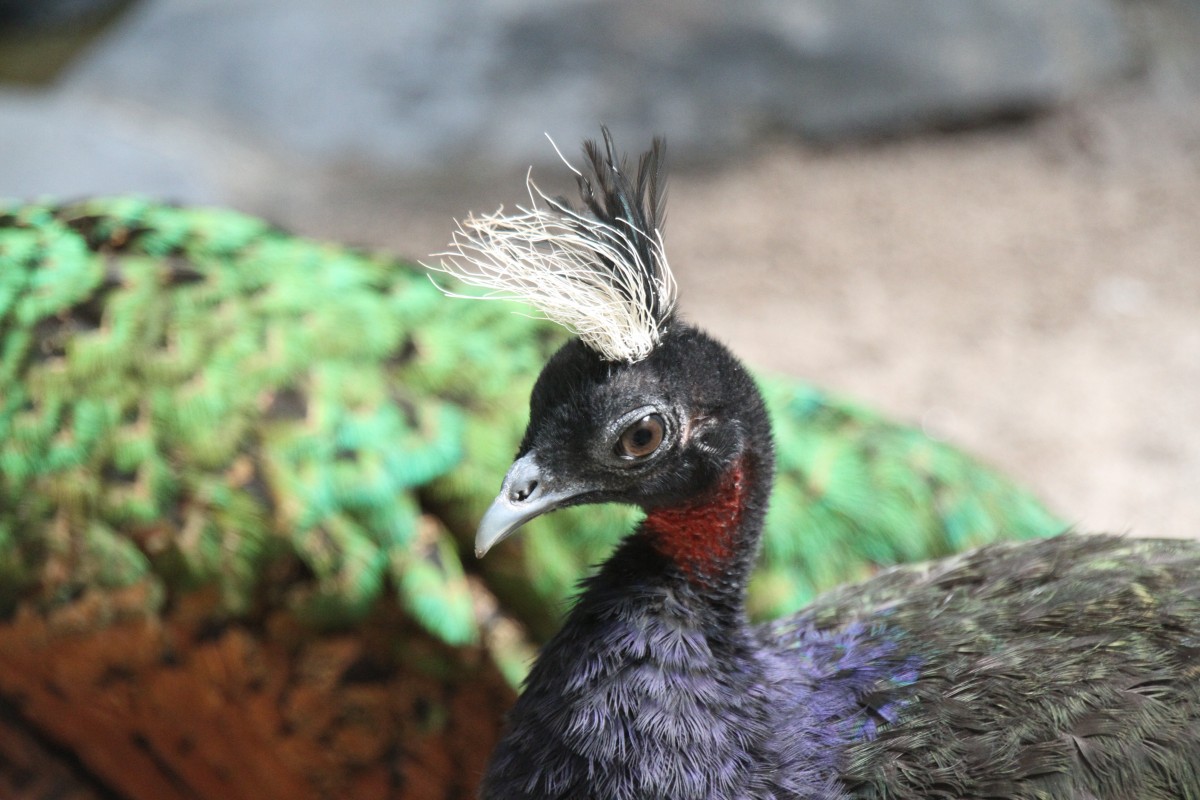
column 225, row 397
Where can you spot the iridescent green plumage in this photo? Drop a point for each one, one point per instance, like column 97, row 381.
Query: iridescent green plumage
column 192, row 397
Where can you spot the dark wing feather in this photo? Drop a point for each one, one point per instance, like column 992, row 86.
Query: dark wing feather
column 1068, row 668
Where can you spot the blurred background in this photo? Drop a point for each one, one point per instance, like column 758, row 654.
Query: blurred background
column 980, row 218
column 983, row 218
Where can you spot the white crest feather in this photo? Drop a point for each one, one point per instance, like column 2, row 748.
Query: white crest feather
column 583, row 273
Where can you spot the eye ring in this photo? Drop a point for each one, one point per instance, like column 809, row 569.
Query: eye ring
column 642, row 438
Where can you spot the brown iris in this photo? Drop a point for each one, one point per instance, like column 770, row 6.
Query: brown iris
column 642, row 437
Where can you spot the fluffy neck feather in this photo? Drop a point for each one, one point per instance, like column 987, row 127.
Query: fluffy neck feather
column 641, row 694
column 656, row 686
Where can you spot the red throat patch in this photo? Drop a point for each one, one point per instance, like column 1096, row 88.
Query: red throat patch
column 701, row 536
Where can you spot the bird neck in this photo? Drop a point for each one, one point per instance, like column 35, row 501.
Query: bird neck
column 643, row 686
column 712, row 539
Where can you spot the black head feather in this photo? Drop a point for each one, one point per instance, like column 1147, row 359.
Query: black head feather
column 635, row 207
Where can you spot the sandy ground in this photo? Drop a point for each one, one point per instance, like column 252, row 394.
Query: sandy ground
column 1030, row 292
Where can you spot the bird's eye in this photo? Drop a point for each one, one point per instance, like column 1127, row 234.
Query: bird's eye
column 642, row 437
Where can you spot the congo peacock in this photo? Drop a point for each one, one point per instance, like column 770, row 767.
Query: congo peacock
column 1062, row 668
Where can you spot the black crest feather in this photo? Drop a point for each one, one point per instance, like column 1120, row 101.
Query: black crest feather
column 636, row 207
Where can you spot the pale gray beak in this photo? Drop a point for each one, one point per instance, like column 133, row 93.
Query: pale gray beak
column 524, row 495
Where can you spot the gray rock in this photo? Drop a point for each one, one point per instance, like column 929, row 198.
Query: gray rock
column 366, row 81
column 65, row 145
column 427, row 84
column 878, row 67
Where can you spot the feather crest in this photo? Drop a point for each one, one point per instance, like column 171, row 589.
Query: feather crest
column 601, row 271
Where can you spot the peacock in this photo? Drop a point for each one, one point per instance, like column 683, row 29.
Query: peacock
column 1067, row 667
column 238, row 469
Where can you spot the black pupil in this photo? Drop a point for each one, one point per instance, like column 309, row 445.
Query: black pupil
column 643, row 435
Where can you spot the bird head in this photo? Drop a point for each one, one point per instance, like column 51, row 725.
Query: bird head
column 639, row 408
column 654, row 433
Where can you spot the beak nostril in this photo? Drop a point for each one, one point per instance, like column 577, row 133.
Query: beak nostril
column 522, row 493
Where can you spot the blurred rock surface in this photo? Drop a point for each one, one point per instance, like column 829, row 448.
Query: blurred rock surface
column 429, row 85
